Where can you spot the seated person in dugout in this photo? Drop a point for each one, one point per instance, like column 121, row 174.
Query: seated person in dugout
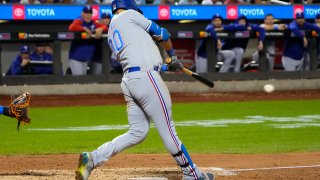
column 37, row 63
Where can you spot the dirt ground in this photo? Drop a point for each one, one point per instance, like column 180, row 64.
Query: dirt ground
column 226, row 166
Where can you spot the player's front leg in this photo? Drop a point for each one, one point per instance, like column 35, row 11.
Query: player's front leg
column 158, row 107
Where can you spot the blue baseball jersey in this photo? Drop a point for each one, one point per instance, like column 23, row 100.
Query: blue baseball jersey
column 293, row 46
column 242, row 42
column 16, row 68
column 83, row 50
column 38, row 68
column 202, row 50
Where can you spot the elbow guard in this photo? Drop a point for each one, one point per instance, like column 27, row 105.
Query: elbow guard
column 157, row 31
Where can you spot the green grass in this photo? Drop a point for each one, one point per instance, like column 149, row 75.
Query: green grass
column 234, row 138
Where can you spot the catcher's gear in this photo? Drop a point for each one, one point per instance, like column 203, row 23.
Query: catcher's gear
column 19, row 108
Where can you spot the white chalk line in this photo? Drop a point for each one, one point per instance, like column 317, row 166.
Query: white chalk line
column 233, row 172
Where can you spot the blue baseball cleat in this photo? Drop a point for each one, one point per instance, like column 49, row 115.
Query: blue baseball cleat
column 85, row 166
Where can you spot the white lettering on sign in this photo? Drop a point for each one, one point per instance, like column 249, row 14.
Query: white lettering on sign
column 184, row 12
column 40, row 12
column 232, row 12
column 252, row 12
column 312, row 12
column 18, row 12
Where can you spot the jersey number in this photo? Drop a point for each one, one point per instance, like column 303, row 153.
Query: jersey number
column 116, row 42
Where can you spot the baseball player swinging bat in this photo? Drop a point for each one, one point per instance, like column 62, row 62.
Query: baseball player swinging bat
column 194, row 75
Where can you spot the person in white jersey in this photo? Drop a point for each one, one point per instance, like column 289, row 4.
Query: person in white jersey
column 130, row 37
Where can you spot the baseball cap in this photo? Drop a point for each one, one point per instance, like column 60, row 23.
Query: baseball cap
column 216, row 16
column 299, row 15
column 87, row 9
column 24, row 49
column 242, row 17
column 318, row 16
column 105, row 15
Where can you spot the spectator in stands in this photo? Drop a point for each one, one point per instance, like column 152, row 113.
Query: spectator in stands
column 231, row 2
column 226, row 56
column 238, row 45
column 83, row 2
column 157, row 2
column 20, row 64
column 212, row 2
column 82, row 51
column 295, row 48
column 313, row 1
column 30, row 2
column 184, row 2
column 269, row 25
column 96, row 63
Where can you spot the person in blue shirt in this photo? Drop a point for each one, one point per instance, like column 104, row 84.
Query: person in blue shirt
column 21, row 63
column 238, row 45
column 226, row 56
column 269, row 44
column 295, row 48
column 41, row 61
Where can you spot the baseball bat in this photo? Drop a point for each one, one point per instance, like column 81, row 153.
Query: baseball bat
column 194, row 75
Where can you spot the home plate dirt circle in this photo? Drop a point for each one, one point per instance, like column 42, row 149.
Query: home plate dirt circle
column 148, row 178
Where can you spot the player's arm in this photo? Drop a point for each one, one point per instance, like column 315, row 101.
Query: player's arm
column 163, row 37
column 17, row 67
column 295, row 30
column 210, row 29
column 262, row 34
column 76, row 26
column 100, row 28
column 314, row 27
column 234, row 27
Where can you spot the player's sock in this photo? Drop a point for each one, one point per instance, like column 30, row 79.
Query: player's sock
column 184, row 161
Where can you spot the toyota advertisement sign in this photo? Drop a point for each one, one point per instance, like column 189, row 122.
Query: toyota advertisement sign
column 162, row 12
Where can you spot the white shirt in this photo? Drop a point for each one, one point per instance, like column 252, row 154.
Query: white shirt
column 131, row 43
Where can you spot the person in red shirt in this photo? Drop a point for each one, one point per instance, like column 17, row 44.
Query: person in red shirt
column 82, row 51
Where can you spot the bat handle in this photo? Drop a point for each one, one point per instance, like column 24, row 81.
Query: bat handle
column 187, row 71
column 168, row 60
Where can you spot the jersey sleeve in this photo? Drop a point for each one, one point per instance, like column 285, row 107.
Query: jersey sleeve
column 295, row 30
column 76, row 25
column 139, row 19
column 259, row 29
column 314, row 27
column 212, row 32
column 234, row 27
column 99, row 25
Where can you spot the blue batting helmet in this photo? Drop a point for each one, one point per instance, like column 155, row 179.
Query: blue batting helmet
column 124, row 4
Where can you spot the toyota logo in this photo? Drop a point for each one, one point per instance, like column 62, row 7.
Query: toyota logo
column 164, row 12
column 18, row 12
column 232, row 12
column 298, row 10
column 94, row 13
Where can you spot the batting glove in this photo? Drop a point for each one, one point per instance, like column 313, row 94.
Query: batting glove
column 175, row 64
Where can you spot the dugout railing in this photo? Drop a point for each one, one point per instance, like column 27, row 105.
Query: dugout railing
column 58, row 37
